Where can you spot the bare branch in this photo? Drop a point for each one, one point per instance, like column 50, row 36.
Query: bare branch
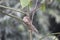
column 33, row 12
column 56, row 33
column 17, row 10
column 19, row 19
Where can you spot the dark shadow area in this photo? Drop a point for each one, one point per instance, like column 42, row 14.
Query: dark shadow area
column 54, row 27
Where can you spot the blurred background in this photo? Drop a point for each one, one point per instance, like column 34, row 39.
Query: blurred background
column 46, row 20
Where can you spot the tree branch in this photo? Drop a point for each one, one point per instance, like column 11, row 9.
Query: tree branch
column 17, row 10
column 19, row 19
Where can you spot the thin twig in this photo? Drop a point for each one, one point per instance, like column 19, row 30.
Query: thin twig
column 33, row 12
column 56, row 33
column 13, row 16
column 30, row 34
column 19, row 19
column 18, row 10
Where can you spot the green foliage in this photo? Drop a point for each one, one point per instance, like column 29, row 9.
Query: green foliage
column 58, row 0
column 24, row 3
column 30, row 4
column 43, row 7
column 21, row 27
